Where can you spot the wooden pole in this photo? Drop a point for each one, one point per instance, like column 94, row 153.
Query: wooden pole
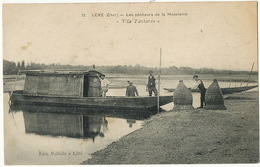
column 249, row 75
column 159, row 82
column 9, row 102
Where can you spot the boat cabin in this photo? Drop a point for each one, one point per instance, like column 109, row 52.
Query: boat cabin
column 63, row 83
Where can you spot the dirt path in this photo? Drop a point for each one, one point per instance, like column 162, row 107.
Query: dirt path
column 192, row 137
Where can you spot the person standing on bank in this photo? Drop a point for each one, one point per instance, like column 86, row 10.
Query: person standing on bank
column 104, row 85
column 131, row 90
column 151, row 84
column 199, row 85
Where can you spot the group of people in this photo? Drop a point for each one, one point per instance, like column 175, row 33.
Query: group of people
column 132, row 91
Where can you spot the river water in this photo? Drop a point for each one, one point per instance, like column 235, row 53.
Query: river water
column 57, row 135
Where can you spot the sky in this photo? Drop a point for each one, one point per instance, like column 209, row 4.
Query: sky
column 219, row 35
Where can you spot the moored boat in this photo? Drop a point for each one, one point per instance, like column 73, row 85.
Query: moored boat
column 76, row 88
column 224, row 90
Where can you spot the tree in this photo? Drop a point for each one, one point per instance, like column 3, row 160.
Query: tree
column 9, row 68
column 18, row 65
column 23, row 65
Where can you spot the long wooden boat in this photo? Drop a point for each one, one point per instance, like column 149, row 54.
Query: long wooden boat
column 109, row 102
column 77, row 88
column 224, row 90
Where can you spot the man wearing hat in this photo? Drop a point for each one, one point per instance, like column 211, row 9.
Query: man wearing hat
column 131, row 90
column 151, row 84
column 199, row 85
column 104, row 85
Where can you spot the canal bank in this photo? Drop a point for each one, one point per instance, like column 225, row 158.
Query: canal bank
column 192, row 137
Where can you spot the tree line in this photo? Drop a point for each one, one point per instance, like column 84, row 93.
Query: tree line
column 10, row 68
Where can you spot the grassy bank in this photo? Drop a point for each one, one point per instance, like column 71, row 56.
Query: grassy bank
column 192, row 137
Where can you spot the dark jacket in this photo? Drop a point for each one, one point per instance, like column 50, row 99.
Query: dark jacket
column 131, row 90
column 201, row 86
column 151, row 81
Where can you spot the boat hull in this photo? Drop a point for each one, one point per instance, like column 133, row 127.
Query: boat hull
column 112, row 102
column 224, row 90
column 237, row 89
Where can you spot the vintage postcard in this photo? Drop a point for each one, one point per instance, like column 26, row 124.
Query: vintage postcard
column 130, row 83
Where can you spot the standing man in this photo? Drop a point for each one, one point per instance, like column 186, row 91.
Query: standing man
column 104, row 85
column 131, row 90
column 151, row 84
column 199, row 85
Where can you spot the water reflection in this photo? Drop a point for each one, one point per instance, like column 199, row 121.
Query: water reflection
column 72, row 121
column 70, row 125
column 130, row 122
column 33, row 131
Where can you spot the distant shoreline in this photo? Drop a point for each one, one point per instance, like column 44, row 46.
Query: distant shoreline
column 219, row 77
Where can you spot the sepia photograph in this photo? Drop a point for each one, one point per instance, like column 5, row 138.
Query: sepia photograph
column 130, row 83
